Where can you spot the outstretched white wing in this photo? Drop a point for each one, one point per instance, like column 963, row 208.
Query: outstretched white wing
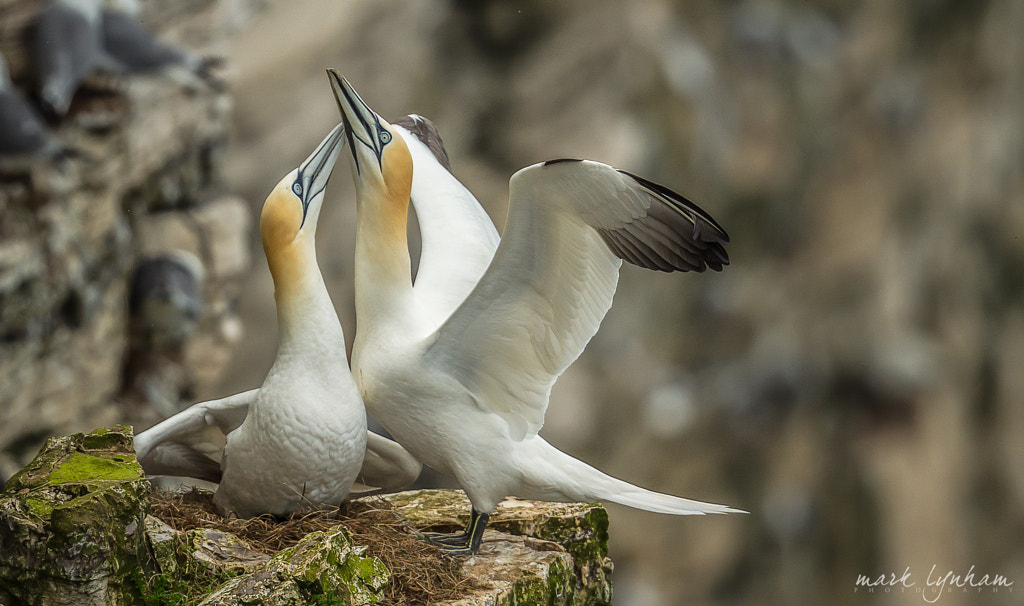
column 458, row 238
column 553, row 277
column 181, row 445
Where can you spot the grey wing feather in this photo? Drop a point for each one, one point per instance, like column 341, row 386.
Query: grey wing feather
column 134, row 47
column 387, row 465
column 177, row 459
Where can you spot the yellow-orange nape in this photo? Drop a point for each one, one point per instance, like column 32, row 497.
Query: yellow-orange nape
column 287, row 246
column 396, row 166
column 281, row 217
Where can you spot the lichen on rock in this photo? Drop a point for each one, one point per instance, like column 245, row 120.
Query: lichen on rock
column 580, row 529
column 325, row 563
column 71, row 523
column 512, row 570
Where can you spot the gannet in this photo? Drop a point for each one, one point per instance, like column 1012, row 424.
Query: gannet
column 65, row 47
column 457, row 237
column 165, row 303
column 128, row 47
column 72, row 38
column 165, row 298
column 24, row 138
column 468, row 398
column 300, row 438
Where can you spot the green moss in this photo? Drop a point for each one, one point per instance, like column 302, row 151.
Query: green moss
column 50, row 455
column 38, row 508
column 82, row 467
column 561, row 584
column 74, row 519
column 188, row 585
column 118, row 437
column 529, row 589
column 363, row 579
column 329, row 564
column 324, row 568
column 558, row 588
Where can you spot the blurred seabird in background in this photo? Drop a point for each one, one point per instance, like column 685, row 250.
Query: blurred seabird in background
column 130, row 48
column 65, row 45
column 24, row 137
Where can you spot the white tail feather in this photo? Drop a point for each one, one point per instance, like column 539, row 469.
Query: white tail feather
column 550, row 474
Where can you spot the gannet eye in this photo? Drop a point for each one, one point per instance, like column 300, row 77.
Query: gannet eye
column 297, row 189
column 385, row 137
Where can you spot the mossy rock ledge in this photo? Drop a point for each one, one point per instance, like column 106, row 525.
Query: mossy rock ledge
column 72, row 523
column 75, row 530
column 533, row 552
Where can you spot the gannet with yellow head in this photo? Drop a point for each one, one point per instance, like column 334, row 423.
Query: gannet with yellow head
column 300, row 438
column 468, row 397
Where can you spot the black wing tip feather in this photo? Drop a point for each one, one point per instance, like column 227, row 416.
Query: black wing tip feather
column 685, row 238
column 685, row 204
column 561, row 160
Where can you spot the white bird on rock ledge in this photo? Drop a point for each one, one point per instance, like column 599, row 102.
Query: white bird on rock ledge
column 298, row 440
column 468, row 397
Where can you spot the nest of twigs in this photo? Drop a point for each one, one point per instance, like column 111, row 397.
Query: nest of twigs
column 420, row 573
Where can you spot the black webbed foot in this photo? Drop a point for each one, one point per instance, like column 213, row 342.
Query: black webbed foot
column 460, row 544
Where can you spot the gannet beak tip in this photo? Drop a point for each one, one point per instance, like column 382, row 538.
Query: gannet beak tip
column 363, row 127
column 315, row 171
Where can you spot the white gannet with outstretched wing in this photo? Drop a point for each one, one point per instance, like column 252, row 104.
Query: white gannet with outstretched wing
column 300, row 438
column 468, row 398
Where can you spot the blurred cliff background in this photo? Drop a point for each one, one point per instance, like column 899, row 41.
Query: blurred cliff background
column 853, row 379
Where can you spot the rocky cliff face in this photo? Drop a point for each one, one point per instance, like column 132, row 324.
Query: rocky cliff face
column 145, row 182
column 76, row 530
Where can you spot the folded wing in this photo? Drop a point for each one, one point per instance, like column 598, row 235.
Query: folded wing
column 387, row 466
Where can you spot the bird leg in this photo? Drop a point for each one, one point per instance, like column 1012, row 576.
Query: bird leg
column 462, row 543
column 474, row 536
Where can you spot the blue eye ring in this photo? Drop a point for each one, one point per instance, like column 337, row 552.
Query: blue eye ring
column 385, row 137
column 297, row 189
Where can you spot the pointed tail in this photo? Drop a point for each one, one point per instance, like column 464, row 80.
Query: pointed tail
column 550, row 474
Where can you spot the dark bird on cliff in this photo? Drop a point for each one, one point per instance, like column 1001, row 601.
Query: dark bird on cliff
column 24, row 138
column 130, row 48
column 65, row 46
column 72, row 39
column 165, row 299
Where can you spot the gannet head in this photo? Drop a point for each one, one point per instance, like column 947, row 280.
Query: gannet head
column 291, row 210
column 381, row 162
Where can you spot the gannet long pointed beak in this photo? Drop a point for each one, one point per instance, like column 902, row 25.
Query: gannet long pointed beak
column 312, row 175
column 367, row 133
